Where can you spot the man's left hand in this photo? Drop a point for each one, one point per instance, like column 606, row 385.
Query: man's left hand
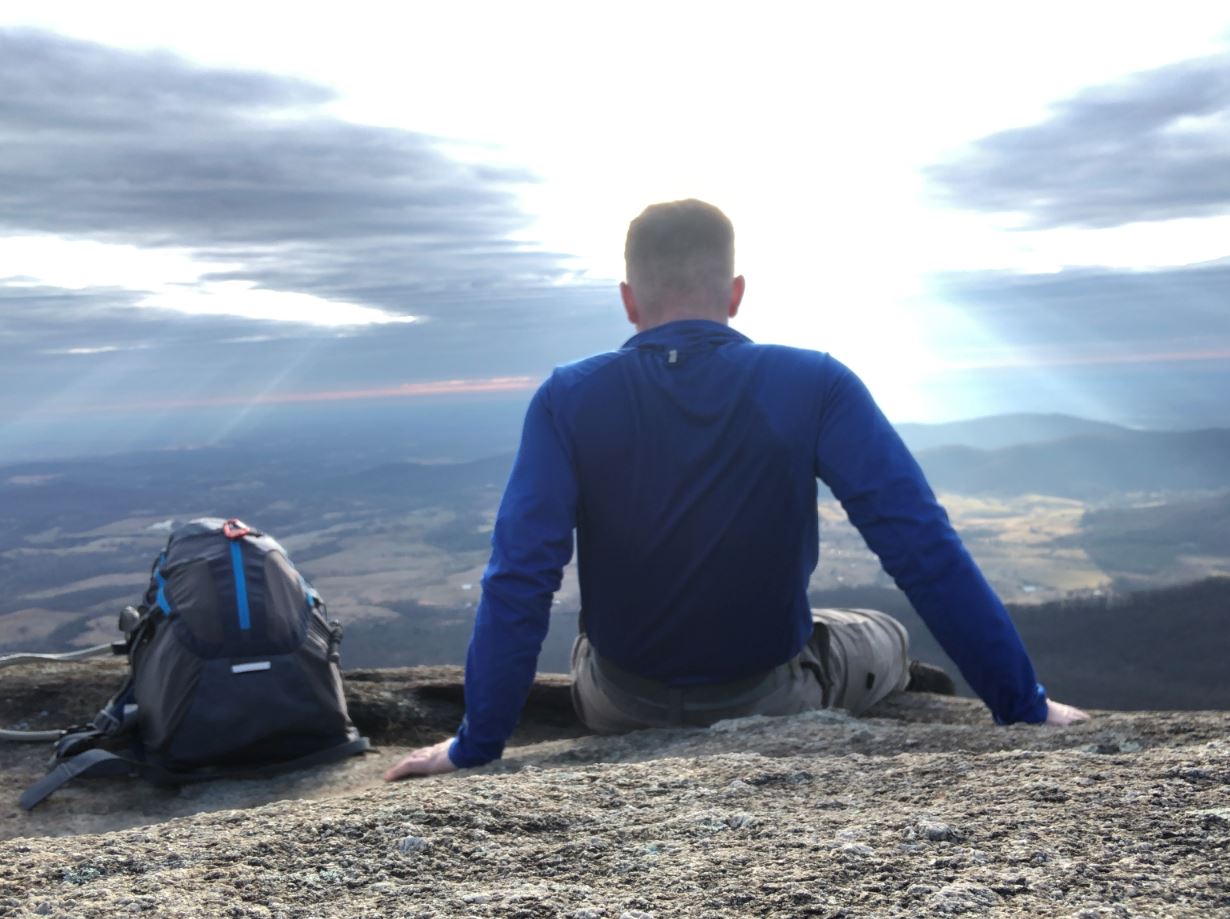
column 1063, row 715
column 431, row 760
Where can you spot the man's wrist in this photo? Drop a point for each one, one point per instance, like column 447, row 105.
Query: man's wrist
column 464, row 753
column 1033, row 712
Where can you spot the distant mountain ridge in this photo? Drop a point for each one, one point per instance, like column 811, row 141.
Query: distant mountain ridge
column 995, row 432
column 1056, row 455
column 1087, row 466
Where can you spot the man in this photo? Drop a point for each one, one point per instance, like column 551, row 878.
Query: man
column 687, row 463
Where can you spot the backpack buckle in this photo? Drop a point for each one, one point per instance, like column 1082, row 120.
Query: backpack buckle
column 235, row 529
column 130, row 618
column 107, row 723
column 335, row 641
column 74, row 741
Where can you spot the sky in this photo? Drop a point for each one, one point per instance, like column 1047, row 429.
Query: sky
column 978, row 209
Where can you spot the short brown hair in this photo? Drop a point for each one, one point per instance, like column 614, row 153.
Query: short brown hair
column 680, row 250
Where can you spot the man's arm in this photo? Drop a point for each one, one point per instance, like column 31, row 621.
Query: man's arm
column 531, row 545
column 884, row 493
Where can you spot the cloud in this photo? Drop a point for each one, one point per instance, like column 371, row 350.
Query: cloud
column 1138, row 347
column 63, row 349
column 249, row 169
column 1154, row 146
column 1098, row 315
column 38, row 320
column 251, row 175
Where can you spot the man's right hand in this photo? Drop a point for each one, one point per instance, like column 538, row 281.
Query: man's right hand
column 433, row 760
column 1059, row 714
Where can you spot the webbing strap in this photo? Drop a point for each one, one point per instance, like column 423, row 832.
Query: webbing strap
column 94, row 762
column 97, row 762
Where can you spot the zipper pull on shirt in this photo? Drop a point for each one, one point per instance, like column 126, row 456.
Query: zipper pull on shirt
column 674, row 356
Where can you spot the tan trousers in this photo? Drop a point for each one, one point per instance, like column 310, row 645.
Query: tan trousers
column 854, row 659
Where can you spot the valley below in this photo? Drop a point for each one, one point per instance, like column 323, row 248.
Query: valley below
column 397, row 549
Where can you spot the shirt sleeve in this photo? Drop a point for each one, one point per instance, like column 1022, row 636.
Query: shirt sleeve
column 871, row 472
column 531, row 545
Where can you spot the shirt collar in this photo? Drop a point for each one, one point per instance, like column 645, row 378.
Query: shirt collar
column 684, row 333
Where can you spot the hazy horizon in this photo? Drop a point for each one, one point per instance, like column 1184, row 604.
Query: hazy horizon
column 443, row 428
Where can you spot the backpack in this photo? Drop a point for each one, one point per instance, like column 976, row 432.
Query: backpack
column 233, row 671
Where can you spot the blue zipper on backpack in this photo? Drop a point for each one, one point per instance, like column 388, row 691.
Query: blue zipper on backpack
column 241, row 587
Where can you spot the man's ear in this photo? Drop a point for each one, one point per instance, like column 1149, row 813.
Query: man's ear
column 630, row 305
column 737, row 286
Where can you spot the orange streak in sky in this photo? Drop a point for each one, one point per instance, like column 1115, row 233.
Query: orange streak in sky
column 401, row 391
column 1160, row 357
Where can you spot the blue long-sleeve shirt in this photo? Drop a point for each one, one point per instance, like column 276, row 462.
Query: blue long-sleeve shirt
column 687, row 464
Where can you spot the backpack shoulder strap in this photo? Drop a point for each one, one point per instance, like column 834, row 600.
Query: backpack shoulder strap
column 76, row 754
column 94, row 762
column 98, row 762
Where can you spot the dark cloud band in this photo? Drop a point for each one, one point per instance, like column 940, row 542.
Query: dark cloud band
column 1155, row 146
column 1098, row 311
column 248, row 168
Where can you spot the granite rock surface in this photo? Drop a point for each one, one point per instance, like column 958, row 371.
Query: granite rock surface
column 925, row 808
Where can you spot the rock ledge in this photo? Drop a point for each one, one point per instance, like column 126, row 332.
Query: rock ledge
column 925, row 809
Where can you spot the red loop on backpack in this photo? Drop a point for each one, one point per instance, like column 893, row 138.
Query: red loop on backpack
column 235, row 529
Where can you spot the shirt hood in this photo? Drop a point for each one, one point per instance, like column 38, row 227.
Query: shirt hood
column 685, row 335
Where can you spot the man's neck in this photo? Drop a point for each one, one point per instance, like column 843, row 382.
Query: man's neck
column 679, row 316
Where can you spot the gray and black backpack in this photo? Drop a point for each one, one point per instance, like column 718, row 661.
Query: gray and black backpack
column 233, row 671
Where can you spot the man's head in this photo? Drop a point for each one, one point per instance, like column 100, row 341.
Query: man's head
column 680, row 259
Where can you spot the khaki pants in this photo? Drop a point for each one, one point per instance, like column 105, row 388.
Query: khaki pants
column 854, row 659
